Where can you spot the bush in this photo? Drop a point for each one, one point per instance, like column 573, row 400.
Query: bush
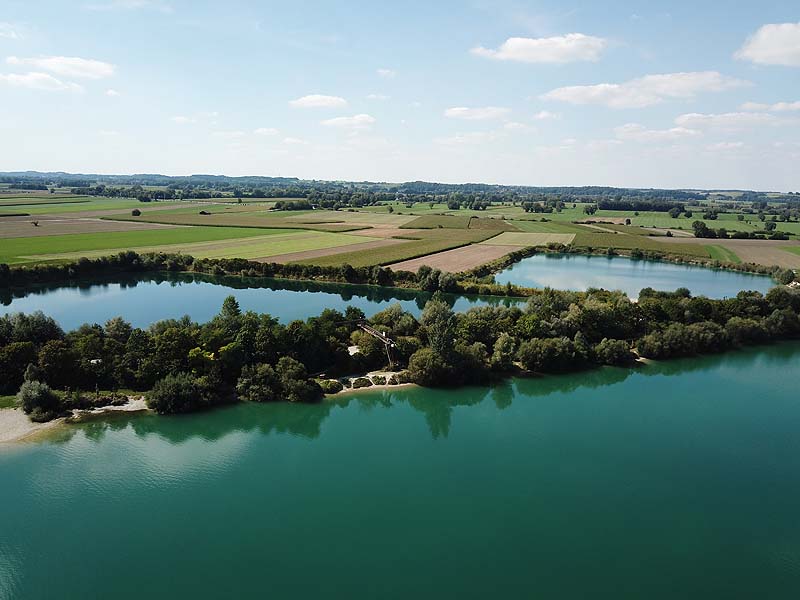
column 39, row 401
column 258, row 383
column 330, row 386
column 550, row 355
column 136, row 212
column 179, row 393
column 613, row 352
column 361, row 382
column 379, row 380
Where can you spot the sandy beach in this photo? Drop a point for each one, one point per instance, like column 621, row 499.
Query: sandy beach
column 15, row 426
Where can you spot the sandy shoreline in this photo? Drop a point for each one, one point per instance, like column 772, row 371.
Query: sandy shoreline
column 15, row 426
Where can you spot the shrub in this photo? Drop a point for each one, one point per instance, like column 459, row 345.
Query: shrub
column 39, row 401
column 136, row 212
column 379, row 380
column 330, row 386
column 258, row 383
column 361, row 382
column 613, row 352
column 179, row 393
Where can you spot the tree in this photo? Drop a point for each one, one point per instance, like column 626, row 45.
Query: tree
column 613, row 352
column 258, row 383
column 590, row 209
column 295, row 384
column 39, row 401
column 427, row 367
column 770, row 226
column 178, row 393
column 440, row 323
column 14, row 359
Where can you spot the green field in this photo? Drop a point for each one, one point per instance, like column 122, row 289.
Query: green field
column 37, row 249
column 90, row 205
column 723, row 254
column 8, row 401
column 259, row 220
column 629, row 242
column 47, row 201
column 549, row 227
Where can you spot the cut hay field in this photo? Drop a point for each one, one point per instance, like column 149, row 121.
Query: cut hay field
column 458, row 260
column 60, row 247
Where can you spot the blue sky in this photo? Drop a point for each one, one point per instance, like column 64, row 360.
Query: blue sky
column 678, row 94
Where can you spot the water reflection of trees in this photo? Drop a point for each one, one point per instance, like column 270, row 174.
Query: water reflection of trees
column 346, row 291
column 435, row 406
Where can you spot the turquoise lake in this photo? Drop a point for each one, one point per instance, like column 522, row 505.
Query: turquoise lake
column 676, row 480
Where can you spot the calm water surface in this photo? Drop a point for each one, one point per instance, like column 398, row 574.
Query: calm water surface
column 147, row 299
column 575, row 272
column 679, row 480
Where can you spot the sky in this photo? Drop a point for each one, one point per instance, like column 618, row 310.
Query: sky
column 680, row 94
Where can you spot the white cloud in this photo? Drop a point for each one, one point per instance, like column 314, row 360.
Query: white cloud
column 39, row 81
column 777, row 107
column 462, row 139
column 647, row 90
column 130, row 5
column 386, row 73
column 108, row 132
column 230, row 135
column 67, row 66
column 516, row 126
column 560, row 49
column 318, row 101
column 377, row 97
column 112, row 93
column 183, row 120
column 476, row 114
column 291, row 141
column 725, row 146
column 10, row 32
column 774, row 44
column 546, row 115
column 355, row 122
column 638, row 133
column 265, row 131
column 726, row 121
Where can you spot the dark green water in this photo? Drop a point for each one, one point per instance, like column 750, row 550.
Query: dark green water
column 679, row 480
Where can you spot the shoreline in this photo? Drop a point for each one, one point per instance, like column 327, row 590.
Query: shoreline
column 16, row 427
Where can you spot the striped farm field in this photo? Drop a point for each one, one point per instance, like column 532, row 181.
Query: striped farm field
column 59, row 247
column 513, row 238
column 629, row 242
column 549, row 227
column 260, row 220
column 422, row 244
column 723, row 254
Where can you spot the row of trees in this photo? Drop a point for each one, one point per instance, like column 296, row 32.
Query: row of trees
column 252, row 357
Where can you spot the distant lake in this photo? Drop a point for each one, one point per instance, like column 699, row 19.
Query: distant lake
column 145, row 299
column 676, row 480
column 576, row 272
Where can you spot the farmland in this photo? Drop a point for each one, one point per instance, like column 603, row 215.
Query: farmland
column 60, row 227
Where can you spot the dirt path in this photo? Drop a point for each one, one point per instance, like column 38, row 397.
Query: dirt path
column 458, row 259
